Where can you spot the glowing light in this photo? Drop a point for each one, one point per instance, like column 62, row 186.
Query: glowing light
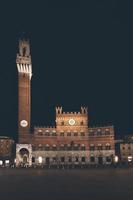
column 130, row 158
column 15, row 160
column 116, row 159
column 7, row 161
column 1, row 162
column 40, row 160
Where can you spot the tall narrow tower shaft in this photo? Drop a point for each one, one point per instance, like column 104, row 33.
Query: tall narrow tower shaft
column 24, row 67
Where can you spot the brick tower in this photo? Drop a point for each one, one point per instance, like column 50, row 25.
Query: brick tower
column 24, row 67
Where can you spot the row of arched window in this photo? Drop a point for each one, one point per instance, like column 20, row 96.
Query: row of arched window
column 82, row 134
column 69, row 147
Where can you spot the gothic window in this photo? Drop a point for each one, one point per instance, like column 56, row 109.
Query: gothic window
column 69, row 147
column 108, row 147
column 91, row 133
column 82, row 134
column 61, row 134
column 47, row 133
column 47, row 148
column 40, row 132
column 99, row 147
column 53, row 133
column 76, row 147
column 99, row 132
column 68, row 134
column 92, row 147
column 54, row 148
column 75, row 134
column 62, row 147
column 83, row 148
column 107, row 132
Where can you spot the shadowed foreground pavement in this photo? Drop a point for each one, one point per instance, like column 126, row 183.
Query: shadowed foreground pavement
column 43, row 184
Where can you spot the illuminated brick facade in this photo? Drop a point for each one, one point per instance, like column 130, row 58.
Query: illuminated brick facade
column 70, row 142
column 6, row 146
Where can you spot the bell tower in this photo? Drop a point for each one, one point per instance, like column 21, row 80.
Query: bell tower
column 24, row 67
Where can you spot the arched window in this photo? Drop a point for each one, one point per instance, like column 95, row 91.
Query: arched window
column 82, row 134
column 99, row 132
column 46, row 133
column 47, row 148
column 91, row 132
column 62, row 147
column 76, row 147
column 75, row 134
column 99, row 147
column 69, row 148
column 107, row 132
column 68, row 134
column 83, row 148
column 54, row 133
column 54, row 148
column 108, row 147
column 92, row 147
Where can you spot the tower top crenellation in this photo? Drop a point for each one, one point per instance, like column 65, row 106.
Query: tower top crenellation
column 23, row 59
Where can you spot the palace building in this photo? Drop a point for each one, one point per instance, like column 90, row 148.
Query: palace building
column 70, row 142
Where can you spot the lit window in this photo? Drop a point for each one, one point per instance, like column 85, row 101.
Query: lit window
column 1, row 162
column 7, row 161
column 130, row 158
column 40, row 159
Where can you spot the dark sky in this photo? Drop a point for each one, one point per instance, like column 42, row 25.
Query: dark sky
column 81, row 55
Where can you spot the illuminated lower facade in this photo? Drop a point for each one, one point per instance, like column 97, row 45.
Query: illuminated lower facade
column 70, row 142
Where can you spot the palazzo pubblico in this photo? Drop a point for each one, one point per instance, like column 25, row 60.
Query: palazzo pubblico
column 70, row 142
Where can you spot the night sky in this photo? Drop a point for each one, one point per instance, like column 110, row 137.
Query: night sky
column 81, row 55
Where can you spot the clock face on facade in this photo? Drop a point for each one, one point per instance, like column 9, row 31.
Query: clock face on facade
column 24, row 123
column 71, row 122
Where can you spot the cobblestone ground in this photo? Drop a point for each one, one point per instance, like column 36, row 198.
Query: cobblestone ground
column 93, row 184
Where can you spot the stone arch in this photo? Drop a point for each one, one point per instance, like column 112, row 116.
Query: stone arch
column 23, row 154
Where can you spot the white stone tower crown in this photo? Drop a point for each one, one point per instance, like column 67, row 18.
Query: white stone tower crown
column 23, row 59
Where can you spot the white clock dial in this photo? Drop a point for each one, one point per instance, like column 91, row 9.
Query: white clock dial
column 71, row 122
column 24, row 123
